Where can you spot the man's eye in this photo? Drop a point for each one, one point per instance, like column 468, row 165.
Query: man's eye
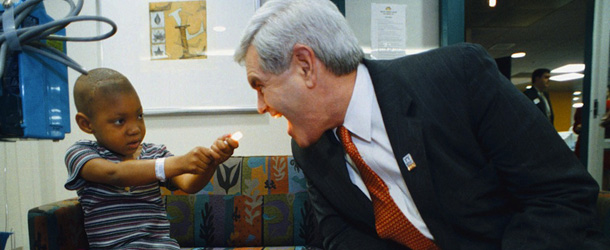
column 140, row 116
column 119, row 122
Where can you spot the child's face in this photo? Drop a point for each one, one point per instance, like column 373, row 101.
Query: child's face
column 118, row 124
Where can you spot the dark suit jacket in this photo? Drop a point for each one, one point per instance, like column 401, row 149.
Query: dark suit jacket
column 489, row 173
column 532, row 94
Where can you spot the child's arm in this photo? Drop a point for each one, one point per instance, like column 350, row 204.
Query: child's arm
column 220, row 151
column 141, row 172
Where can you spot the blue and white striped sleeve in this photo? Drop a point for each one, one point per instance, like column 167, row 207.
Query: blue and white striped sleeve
column 76, row 157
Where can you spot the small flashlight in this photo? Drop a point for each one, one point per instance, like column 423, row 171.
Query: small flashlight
column 237, row 135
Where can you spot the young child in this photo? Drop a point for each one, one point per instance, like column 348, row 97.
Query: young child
column 117, row 177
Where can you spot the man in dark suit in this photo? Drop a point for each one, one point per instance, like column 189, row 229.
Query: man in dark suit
column 463, row 158
column 539, row 94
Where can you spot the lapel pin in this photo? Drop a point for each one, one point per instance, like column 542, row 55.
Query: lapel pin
column 408, row 160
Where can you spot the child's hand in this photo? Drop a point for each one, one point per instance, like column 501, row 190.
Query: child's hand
column 223, row 148
column 195, row 161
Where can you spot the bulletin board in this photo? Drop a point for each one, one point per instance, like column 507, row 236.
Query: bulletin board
column 201, row 77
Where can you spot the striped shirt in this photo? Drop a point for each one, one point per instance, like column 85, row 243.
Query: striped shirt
column 119, row 217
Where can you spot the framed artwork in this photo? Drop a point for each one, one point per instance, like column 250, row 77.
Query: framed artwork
column 179, row 54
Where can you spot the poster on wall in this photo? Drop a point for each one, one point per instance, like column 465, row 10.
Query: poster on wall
column 182, row 35
column 179, row 54
column 388, row 30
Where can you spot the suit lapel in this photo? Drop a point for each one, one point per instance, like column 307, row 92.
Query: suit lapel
column 404, row 129
column 331, row 174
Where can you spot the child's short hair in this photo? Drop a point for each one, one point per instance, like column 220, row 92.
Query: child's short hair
column 103, row 81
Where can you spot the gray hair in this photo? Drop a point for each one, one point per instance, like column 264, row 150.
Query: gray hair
column 280, row 24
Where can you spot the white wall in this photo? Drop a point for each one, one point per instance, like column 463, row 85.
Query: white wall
column 35, row 172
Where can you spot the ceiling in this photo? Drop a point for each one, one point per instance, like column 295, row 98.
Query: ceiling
column 551, row 32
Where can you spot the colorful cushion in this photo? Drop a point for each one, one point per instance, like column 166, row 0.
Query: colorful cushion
column 250, row 201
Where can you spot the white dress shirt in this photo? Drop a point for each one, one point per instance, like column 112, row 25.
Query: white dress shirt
column 363, row 119
column 546, row 103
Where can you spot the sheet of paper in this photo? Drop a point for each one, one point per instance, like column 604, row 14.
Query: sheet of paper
column 388, row 30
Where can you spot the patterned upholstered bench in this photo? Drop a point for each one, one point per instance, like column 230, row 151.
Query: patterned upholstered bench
column 250, row 203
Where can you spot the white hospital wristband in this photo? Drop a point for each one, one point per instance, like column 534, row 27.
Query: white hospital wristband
column 160, row 169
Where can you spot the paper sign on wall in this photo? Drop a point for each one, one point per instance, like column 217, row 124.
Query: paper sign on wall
column 388, row 30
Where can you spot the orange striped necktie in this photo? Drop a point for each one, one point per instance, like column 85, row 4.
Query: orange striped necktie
column 390, row 222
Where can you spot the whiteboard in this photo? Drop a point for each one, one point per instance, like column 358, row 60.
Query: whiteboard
column 216, row 83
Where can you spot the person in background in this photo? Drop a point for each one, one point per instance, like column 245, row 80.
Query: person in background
column 436, row 150
column 117, row 176
column 539, row 94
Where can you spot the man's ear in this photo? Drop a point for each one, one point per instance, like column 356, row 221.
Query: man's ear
column 305, row 59
column 84, row 123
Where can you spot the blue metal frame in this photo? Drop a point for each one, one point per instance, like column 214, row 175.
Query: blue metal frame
column 341, row 5
column 451, row 22
column 586, row 85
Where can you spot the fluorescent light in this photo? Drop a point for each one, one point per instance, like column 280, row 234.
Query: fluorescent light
column 518, row 55
column 570, row 68
column 492, row 3
column 528, row 87
column 567, row 77
column 575, row 98
column 577, row 105
column 577, row 92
